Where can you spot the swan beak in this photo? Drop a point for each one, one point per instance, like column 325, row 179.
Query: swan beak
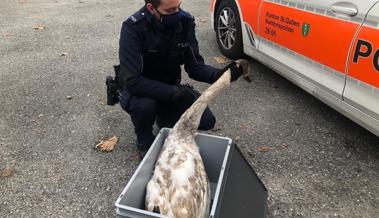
column 246, row 69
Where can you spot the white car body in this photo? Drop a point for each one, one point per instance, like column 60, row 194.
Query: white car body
column 337, row 67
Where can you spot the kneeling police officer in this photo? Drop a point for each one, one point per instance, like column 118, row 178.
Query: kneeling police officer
column 154, row 43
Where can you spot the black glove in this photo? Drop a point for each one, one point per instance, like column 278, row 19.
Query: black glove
column 182, row 92
column 236, row 72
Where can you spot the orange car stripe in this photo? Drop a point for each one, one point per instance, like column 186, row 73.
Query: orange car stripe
column 364, row 59
column 211, row 6
column 313, row 36
column 250, row 12
column 309, row 34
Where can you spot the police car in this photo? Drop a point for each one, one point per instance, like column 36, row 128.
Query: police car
column 329, row 48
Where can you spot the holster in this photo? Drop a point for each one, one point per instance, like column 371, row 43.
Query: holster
column 113, row 86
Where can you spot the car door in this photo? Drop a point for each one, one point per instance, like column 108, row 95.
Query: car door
column 362, row 84
column 249, row 10
column 312, row 39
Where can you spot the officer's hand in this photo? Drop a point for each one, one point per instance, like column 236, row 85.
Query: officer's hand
column 235, row 70
column 180, row 92
column 176, row 93
column 240, row 67
column 245, row 67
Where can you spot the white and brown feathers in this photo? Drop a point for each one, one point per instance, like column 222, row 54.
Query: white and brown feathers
column 179, row 187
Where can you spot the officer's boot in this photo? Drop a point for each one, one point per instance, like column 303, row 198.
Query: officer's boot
column 144, row 142
column 142, row 112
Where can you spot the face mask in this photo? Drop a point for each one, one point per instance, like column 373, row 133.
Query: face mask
column 171, row 21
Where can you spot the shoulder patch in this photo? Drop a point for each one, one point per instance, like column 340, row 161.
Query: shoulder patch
column 136, row 17
column 132, row 19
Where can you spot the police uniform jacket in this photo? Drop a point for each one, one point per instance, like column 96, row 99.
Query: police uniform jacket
column 151, row 56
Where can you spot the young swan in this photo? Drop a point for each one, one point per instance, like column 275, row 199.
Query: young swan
column 179, row 187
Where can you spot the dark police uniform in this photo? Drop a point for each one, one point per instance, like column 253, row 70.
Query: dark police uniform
column 150, row 66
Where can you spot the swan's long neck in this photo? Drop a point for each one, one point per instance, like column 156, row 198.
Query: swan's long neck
column 190, row 120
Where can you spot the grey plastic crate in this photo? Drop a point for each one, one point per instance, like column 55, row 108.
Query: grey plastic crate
column 236, row 189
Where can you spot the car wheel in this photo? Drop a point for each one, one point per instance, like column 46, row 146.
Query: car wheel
column 228, row 30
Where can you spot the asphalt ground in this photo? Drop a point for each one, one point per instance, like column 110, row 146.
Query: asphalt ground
column 318, row 163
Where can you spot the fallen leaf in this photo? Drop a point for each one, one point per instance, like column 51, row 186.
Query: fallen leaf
column 34, row 119
column 237, row 138
column 107, row 145
column 284, row 145
column 64, row 54
column 41, row 115
column 6, row 173
column 68, row 97
column 221, row 59
column 9, row 34
column 243, row 126
column 264, row 148
column 39, row 27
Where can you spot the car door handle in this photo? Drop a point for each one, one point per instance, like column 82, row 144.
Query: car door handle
column 344, row 8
